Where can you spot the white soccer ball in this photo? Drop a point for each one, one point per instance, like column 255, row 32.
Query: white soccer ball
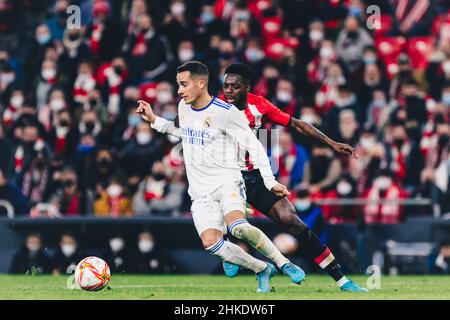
column 92, row 274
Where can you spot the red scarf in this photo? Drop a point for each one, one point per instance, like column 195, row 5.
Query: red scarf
column 140, row 47
column 96, row 36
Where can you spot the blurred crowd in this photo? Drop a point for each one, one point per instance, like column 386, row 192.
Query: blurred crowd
column 71, row 143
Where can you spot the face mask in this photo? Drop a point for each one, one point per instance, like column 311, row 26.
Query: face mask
column 382, row 183
column 226, row 55
column 116, row 244
column 399, row 142
column 118, row 70
column 354, row 11
column 446, row 98
column 159, row 176
column 7, row 78
column 446, row 66
column 17, row 101
column 254, row 55
column 302, row 205
column 104, row 163
column 163, row 96
column 315, row 35
column 177, row 9
column 284, row 96
column 43, row 38
column 145, row 246
column 185, row 55
column 57, row 104
column 143, row 137
column 114, row 190
column 369, row 59
column 90, row 127
column 171, row 116
column 206, row 17
column 33, row 248
column 48, row 74
column 67, row 184
column 443, row 140
column 308, row 118
column 68, row 249
column 344, row 188
column 326, row 53
column 74, row 37
column 379, row 103
column 367, row 143
column 134, row 120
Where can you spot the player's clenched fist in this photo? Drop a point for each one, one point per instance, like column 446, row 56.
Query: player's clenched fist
column 280, row 190
column 145, row 110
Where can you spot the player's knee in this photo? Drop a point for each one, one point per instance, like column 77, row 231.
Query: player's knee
column 244, row 231
column 210, row 241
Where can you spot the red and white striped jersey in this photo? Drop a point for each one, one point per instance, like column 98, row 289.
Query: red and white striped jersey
column 259, row 110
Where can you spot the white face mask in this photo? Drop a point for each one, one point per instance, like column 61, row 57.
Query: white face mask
column 68, row 249
column 254, row 55
column 185, row 55
column 315, row 35
column 308, row 118
column 344, row 188
column 48, row 74
column 116, row 244
column 326, row 53
column 7, row 78
column 446, row 66
column 302, row 205
column 145, row 246
column 382, row 183
column 367, row 143
column 143, row 137
column 284, row 96
column 114, row 190
column 177, row 9
column 57, row 104
column 33, row 248
column 164, row 96
column 17, row 101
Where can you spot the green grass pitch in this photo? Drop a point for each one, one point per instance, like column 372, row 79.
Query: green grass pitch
column 193, row 287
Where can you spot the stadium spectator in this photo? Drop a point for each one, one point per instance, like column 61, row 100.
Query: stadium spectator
column 158, row 193
column 147, row 52
column 67, row 255
column 113, row 200
column 345, row 189
column 57, row 21
column 31, row 258
column 351, row 41
column 70, row 199
column 384, row 188
column 138, row 154
column 117, row 256
column 310, row 213
column 148, row 259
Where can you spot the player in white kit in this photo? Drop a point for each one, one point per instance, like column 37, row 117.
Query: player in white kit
column 211, row 131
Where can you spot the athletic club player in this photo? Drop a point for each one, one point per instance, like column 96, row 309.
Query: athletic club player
column 257, row 109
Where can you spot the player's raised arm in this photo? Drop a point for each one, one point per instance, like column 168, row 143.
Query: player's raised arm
column 159, row 124
column 238, row 129
column 310, row 131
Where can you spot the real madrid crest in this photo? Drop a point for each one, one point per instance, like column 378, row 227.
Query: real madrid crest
column 207, row 122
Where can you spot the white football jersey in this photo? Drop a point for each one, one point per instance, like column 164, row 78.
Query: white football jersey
column 210, row 138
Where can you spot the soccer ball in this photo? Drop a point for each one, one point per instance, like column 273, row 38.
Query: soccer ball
column 92, row 274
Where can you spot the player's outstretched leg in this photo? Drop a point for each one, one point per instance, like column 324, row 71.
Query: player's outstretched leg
column 214, row 243
column 283, row 212
column 241, row 229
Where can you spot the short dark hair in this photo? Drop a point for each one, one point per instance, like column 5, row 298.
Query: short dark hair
column 240, row 69
column 194, row 67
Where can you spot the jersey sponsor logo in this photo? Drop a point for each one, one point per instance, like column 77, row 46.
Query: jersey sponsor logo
column 194, row 136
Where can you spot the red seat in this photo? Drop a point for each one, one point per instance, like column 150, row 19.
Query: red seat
column 271, row 28
column 418, row 49
column 256, row 7
column 388, row 49
column 148, row 91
